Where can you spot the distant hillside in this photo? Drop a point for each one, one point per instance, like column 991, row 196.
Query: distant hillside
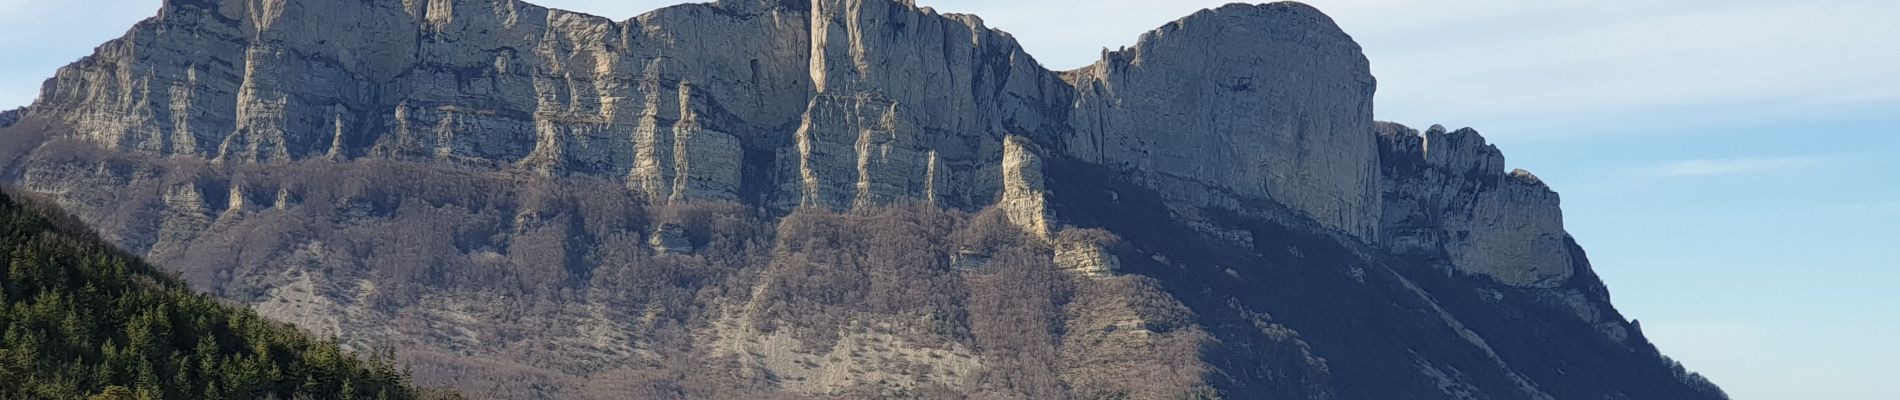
column 84, row 320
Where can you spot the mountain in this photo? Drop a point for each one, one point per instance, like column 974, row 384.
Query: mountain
column 84, row 320
column 828, row 198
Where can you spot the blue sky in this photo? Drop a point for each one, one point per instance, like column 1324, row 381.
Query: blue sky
column 1730, row 166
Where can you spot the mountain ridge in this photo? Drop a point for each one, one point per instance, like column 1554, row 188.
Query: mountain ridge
column 1009, row 94
column 541, row 155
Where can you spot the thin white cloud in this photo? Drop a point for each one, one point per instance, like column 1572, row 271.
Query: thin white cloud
column 1881, row 208
column 1742, row 62
column 1732, row 166
column 1559, row 67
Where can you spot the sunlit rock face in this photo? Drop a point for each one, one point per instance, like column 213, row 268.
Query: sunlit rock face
column 1239, row 103
column 1447, row 192
column 852, row 102
column 495, row 83
column 827, row 198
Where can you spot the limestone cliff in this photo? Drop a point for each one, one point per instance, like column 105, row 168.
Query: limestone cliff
column 850, row 101
column 1448, row 192
column 828, row 197
column 1239, row 103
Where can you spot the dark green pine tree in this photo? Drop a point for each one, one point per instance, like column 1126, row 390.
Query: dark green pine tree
column 82, row 320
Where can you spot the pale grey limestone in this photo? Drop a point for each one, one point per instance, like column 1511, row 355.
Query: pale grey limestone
column 846, row 103
column 1087, row 259
column 910, row 104
column 1025, row 201
column 1237, row 103
column 1447, row 192
column 186, row 214
column 822, row 103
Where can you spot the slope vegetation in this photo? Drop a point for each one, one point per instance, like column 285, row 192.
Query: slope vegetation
column 82, row 319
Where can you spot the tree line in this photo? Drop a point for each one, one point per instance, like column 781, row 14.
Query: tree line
column 82, row 320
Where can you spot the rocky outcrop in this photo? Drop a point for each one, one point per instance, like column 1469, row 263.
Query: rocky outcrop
column 670, row 238
column 670, row 102
column 186, row 213
column 851, row 102
column 482, row 81
column 1239, row 103
column 910, row 104
column 1087, row 259
column 1447, row 194
column 9, row 117
column 1024, row 200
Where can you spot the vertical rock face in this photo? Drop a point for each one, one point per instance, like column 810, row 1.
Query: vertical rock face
column 186, row 213
column 488, row 82
column 873, row 102
column 858, row 101
column 1025, row 189
column 1447, row 194
column 506, row 156
column 908, row 103
column 1239, row 103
